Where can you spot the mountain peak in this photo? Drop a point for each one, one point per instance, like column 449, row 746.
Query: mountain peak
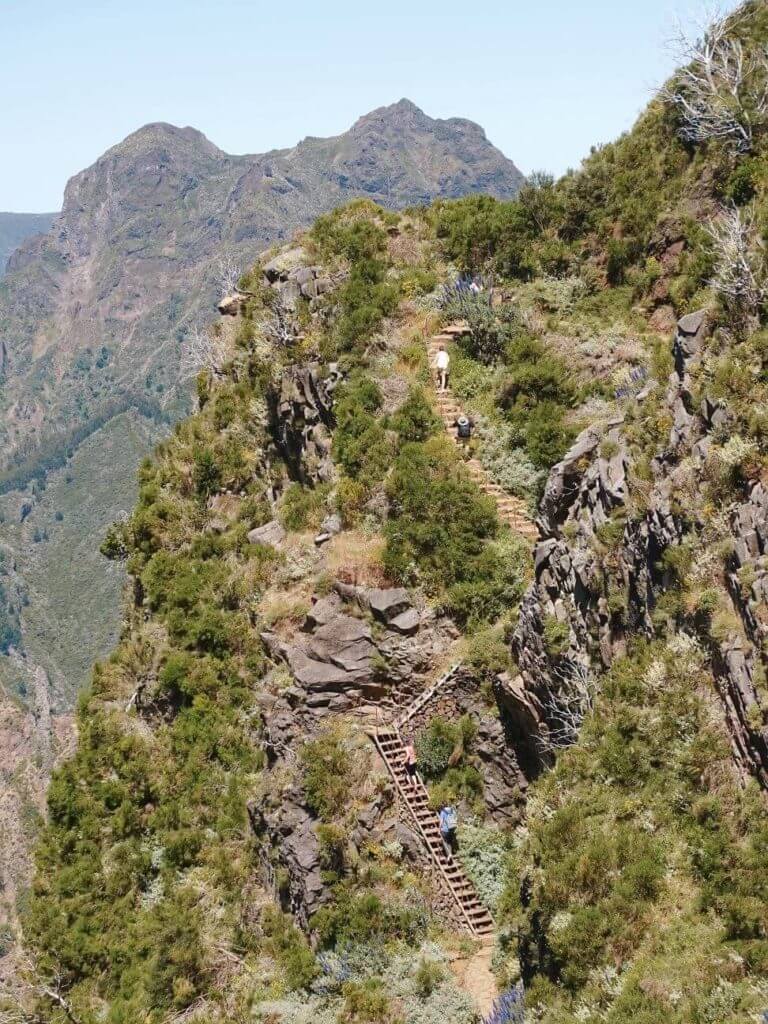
column 186, row 138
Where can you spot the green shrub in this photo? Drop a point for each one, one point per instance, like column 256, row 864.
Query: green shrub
column 365, row 918
column 488, row 652
column 302, row 508
column 290, row 948
column 443, row 744
column 485, row 855
column 415, row 420
column 557, row 636
column 428, row 977
column 366, row 1002
column 439, row 521
column 207, row 473
column 115, row 543
column 360, row 444
column 479, row 231
column 490, row 328
column 498, row 581
column 326, row 770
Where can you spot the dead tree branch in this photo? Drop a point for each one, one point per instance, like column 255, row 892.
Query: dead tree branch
column 277, row 326
column 204, row 350
column 739, row 276
column 30, row 985
column 721, row 92
column 566, row 709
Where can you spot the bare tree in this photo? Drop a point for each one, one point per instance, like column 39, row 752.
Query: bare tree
column 277, row 326
column 227, row 272
column 566, row 709
column 739, row 277
column 204, row 349
column 721, row 92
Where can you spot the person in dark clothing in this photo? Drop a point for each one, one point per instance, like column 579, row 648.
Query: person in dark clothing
column 464, row 427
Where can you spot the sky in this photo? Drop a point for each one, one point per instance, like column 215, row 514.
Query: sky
column 547, row 79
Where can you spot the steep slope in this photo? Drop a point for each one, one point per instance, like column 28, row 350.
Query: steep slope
column 286, row 612
column 16, row 228
column 93, row 317
column 638, row 892
column 311, row 560
column 94, row 314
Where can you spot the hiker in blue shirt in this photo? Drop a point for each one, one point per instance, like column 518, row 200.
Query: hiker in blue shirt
column 448, row 822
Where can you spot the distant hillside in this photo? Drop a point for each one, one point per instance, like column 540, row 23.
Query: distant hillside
column 16, row 228
column 93, row 317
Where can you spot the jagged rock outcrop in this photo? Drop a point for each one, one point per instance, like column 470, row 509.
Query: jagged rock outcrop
column 339, row 661
column 599, row 573
column 292, row 278
column 301, row 413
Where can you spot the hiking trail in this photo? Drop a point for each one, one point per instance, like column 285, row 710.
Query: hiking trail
column 511, row 510
column 474, row 916
column 474, row 976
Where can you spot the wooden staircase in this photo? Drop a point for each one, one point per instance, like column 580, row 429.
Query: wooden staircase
column 511, row 509
column 424, row 698
column 476, row 919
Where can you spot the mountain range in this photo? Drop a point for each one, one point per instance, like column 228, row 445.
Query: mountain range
column 16, row 228
column 94, row 314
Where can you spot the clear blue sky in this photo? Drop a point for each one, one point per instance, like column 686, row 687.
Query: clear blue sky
column 546, row 78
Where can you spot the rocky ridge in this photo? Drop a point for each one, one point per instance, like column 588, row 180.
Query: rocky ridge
column 94, row 313
column 601, row 591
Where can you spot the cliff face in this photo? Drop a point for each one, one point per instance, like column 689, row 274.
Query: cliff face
column 619, row 553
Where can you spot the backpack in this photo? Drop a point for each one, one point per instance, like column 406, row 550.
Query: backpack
column 464, row 426
column 450, row 819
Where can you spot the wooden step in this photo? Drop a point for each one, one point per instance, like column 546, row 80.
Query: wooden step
column 390, row 744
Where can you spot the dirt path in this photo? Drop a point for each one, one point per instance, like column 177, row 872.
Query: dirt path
column 474, row 976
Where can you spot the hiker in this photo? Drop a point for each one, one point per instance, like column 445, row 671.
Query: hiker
column 411, row 762
column 448, row 822
column 442, row 362
column 463, row 426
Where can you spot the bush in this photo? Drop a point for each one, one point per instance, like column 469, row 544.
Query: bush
column 439, row 521
column 207, row 474
column 326, row 769
column 498, row 582
column 443, row 744
column 557, row 636
column 490, row 328
column 415, row 420
column 507, row 463
column 366, row 1002
column 356, row 919
column 302, row 508
column 115, row 543
column 360, row 443
column 428, row 977
column 355, row 233
column 289, row 946
column 479, row 231
column 484, row 854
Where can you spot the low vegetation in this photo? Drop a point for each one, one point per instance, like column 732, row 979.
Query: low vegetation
column 635, row 890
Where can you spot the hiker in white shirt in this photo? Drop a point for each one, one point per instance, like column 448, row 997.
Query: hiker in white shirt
column 442, row 362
